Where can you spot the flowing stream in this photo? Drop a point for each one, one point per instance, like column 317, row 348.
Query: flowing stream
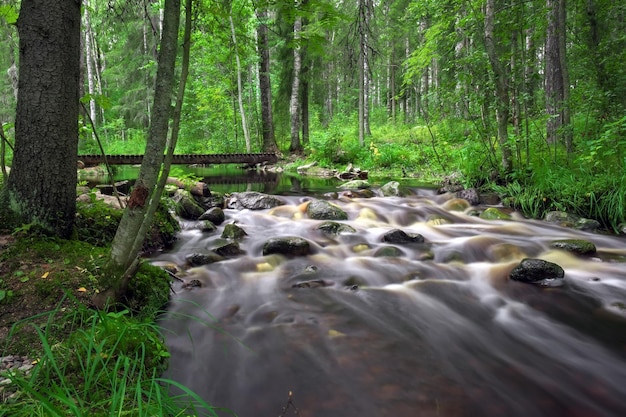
column 437, row 331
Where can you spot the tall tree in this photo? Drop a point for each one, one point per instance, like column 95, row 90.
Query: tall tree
column 501, row 82
column 242, row 112
column 42, row 184
column 265, row 86
column 557, row 76
column 294, row 103
column 124, row 248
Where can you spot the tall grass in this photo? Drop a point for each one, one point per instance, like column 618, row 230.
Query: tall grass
column 110, row 366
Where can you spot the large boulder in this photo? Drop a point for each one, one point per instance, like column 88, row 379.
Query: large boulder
column 234, row 232
column 323, row 210
column 215, row 215
column 538, row 271
column 355, row 185
column 288, row 245
column 398, row 236
column 253, row 200
column 391, row 189
column 469, row 194
column 186, row 206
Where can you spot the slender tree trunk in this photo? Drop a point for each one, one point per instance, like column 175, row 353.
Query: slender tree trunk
column 90, row 64
column 294, row 104
column 502, row 94
column 123, row 258
column 42, row 184
column 244, row 124
column 265, row 87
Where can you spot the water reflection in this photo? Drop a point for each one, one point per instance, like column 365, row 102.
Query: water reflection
column 437, row 331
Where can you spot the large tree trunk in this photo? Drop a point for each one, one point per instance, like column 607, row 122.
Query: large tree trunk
column 265, row 86
column 123, row 253
column 500, row 79
column 244, row 124
column 294, row 104
column 557, row 77
column 42, row 184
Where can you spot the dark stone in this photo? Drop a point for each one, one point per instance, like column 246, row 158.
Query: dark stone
column 401, row 237
column 229, row 250
column 199, row 259
column 214, row 214
column 323, row 210
column 334, row 228
column 289, row 245
column 469, row 194
column 232, row 231
column 194, row 283
column 214, row 200
column 538, row 271
column 314, row 283
column 577, row 246
column 253, row 200
column 186, row 206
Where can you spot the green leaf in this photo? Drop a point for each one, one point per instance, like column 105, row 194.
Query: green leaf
column 9, row 13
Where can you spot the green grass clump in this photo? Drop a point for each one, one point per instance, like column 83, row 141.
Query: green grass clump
column 108, row 366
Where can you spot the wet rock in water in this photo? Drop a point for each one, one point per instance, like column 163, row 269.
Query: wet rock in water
column 388, row 251
column 215, row 215
column 456, row 204
column 253, row 200
column 588, row 225
column 470, row 195
column 186, row 206
column 194, row 283
column 391, row 189
column 401, row 237
column 538, row 271
column 334, row 228
column 288, row 245
column 323, row 210
column 207, row 226
column 493, row 213
column 232, row 231
column 214, row 200
column 577, row 246
column 561, row 218
column 313, row 283
column 199, row 259
column 229, row 250
column 358, row 193
column 355, row 185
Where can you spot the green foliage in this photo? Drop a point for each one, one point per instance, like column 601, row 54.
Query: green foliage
column 108, row 366
column 96, row 222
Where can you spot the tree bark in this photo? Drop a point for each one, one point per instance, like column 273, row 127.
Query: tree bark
column 124, row 247
column 42, row 184
column 557, row 77
column 244, row 124
column 265, row 86
column 294, row 103
column 501, row 81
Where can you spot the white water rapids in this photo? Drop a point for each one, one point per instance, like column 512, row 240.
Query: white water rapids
column 438, row 331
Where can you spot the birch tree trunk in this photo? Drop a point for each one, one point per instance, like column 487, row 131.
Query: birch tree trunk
column 91, row 90
column 244, row 124
column 123, row 262
column 294, row 103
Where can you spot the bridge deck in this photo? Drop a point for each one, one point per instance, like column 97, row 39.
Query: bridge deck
column 207, row 159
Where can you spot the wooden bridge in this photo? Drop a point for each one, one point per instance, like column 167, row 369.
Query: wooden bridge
column 207, row 159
